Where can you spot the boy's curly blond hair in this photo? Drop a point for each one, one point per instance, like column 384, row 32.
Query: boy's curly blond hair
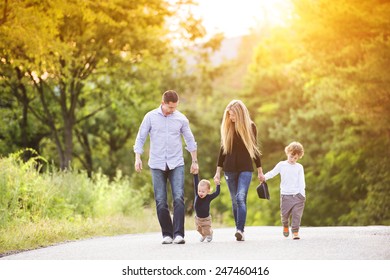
column 295, row 148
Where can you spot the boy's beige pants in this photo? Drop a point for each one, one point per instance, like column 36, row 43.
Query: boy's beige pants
column 203, row 225
column 292, row 205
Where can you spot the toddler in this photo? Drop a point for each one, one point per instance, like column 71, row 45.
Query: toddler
column 202, row 202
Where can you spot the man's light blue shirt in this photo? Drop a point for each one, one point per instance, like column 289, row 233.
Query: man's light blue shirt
column 166, row 147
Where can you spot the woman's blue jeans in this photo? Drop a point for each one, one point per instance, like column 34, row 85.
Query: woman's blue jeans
column 176, row 180
column 238, row 183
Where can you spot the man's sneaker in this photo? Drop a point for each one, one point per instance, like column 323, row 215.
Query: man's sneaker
column 179, row 240
column 167, row 240
column 286, row 232
column 239, row 235
column 296, row 236
column 202, row 238
column 209, row 238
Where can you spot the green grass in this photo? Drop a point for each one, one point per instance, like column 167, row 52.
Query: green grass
column 33, row 235
column 39, row 209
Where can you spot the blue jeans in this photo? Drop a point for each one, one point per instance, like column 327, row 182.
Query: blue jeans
column 176, row 179
column 238, row 183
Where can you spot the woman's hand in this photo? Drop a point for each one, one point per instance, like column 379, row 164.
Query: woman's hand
column 260, row 174
column 217, row 179
column 217, row 176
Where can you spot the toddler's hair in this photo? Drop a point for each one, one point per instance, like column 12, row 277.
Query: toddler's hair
column 295, row 148
column 205, row 182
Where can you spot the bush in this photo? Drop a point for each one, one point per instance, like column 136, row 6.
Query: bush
column 28, row 194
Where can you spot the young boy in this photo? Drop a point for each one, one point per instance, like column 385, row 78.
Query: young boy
column 292, row 188
column 202, row 202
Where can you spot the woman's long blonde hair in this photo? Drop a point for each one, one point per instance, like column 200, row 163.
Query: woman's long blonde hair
column 243, row 127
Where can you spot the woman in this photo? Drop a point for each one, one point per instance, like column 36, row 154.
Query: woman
column 238, row 149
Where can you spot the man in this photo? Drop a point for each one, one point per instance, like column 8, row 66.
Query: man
column 166, row 125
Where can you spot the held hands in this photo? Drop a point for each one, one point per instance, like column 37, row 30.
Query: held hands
column 260, row 174
column 194, row 168
column 217, row 179
column 261, row 177
column 217, row 176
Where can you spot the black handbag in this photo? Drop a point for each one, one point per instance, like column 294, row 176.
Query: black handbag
column 262, row 191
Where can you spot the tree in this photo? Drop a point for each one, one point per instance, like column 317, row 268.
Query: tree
column 359, row 83
column 77, row 44
column 323, row 81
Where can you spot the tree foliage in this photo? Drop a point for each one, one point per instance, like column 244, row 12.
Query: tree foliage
column 77, row 77
column 323, row 81
column 81, row 70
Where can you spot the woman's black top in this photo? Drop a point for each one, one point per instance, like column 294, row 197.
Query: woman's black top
column 239, row 159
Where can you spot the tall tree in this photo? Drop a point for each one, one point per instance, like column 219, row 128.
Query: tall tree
column 75, row 44
column 351, row 44
column 322, row 81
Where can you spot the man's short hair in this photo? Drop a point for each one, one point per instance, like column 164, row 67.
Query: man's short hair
column 170, row 96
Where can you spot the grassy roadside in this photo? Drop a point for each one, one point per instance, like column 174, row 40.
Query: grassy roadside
column 39, row 209
column 29, row 236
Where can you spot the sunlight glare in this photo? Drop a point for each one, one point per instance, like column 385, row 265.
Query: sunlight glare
column 237, row 17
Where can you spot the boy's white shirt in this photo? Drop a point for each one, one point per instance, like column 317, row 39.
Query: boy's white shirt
column 292, row 177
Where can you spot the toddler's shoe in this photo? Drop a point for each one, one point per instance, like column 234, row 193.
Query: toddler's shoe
column 286, row 232
column 209, row 238
column 202, row 238
column 296, row 236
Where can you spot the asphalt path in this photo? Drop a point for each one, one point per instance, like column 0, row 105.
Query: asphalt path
column 261, row 243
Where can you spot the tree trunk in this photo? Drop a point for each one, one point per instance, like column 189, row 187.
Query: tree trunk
column 24, row 101
column 86, row 157
column 68, row 143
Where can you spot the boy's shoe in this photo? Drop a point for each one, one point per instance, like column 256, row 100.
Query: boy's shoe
column 239, row 235
column 209, row 238
column 167, row 240
column 202, row 238
column 286, row 232
column 296, row 236
column 179, row 240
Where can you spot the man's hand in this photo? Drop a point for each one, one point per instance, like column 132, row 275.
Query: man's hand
column 194, row 168
column 138, row 165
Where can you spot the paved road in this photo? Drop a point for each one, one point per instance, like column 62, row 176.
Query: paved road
column 262, row 243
